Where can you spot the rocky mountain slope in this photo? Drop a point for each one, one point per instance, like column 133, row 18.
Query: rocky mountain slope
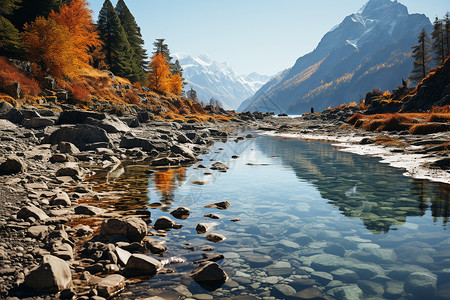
column 369, row 49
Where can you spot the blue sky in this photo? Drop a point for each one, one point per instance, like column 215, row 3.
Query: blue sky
column 264, row 36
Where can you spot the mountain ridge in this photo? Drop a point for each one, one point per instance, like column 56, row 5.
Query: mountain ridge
column 368, row 49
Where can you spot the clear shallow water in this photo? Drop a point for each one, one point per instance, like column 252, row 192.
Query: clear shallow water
column 306, row 211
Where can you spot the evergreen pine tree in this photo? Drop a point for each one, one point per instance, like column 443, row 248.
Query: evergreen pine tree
column 161, row 47
column 9, row 35
column 446, row 28
column 422, row 57
column 119, row 55
column 31, row 9
column 134, row 37
column 177, row 69
column 438, row 45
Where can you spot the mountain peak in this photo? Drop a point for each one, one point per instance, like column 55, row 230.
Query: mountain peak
column 378, row 8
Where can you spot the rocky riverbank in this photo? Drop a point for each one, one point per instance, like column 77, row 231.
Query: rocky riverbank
column 46, row 160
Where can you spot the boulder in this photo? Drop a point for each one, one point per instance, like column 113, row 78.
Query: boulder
column 283, row 291
column 70, row 169
column 165, row 162
column 37, row 122
column 8, row 112
column 421, row 285
column 78, row 116
column 129, row 141
column 83, row 136
column 181, row 213
column 140, row 264
column 31, row 211
column 209, row 273
column 111, row 285
column 61, row 198
column 38, row 232
column 183, row 151
column 69, row 148
column 52, row 276
column 350, row 292
column 12, row 165
column 111, row 124
column 123, row 256
column 134, row 229
column 164, row 223
column 88, row 210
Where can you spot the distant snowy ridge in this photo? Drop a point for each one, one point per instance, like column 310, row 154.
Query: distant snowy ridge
column 211, row 79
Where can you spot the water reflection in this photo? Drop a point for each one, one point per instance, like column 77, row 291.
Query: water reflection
column 361, row 188
column 166, row 181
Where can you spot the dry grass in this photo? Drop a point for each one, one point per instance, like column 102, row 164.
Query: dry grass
column 428, row 128
column 441, row 110
column 439, row 118
column 10, row 74
column 415, row 123
column 389, row 141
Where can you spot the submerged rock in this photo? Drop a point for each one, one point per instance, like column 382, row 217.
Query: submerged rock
column 209, row 273
column 219, row 205
column 421, row 285
column 164, row 223
column 181, row 213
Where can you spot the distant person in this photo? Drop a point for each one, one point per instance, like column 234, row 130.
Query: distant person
column 312, row 110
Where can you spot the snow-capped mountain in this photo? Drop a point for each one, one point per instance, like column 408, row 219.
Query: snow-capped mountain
column 369, row 49
column 218, row 80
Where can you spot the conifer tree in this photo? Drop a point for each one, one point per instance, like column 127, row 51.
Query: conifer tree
column 422, row 57
column 446, row 29
column 31, row 9
column 161, row 47
column 9, row 35
column 134, row 37
column 119, row 55
column 438, row 45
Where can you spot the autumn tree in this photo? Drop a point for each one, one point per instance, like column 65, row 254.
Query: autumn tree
column 176, row 84
column 438, row 44
column 134, row 37
column 159, row 75
column 77, row 18
column 118, row 52
column 9, row 35
column 48, row 45
column 422, row 57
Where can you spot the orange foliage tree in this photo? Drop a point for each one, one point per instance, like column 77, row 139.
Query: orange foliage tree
column 77, row 18
column 176, row 84
column 60, row 44
column 48, row 45
column 159, row 75
column 161, row 79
